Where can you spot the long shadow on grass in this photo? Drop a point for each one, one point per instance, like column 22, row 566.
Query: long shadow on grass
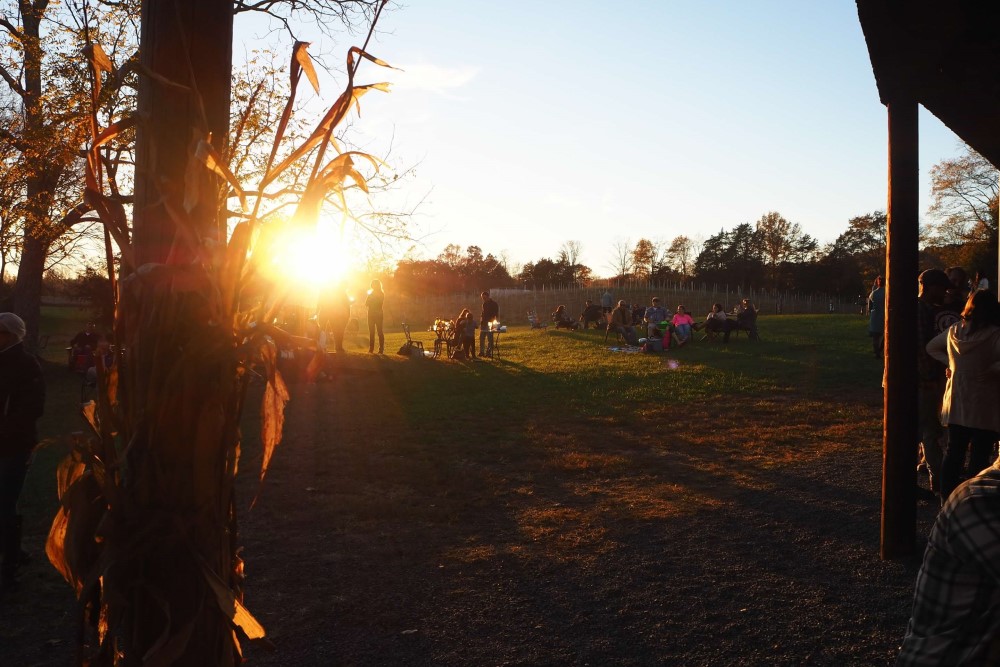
column 447, row 513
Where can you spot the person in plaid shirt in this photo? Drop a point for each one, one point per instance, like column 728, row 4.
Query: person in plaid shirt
column 956, row 606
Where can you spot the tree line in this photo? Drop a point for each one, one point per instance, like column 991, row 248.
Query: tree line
column 771, row 253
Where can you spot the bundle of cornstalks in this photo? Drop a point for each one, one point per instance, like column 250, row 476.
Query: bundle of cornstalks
column 147, row 530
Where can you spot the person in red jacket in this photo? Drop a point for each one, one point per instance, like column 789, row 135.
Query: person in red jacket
column 22, row 400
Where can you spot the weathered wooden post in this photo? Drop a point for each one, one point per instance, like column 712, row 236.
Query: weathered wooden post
column 185, row 499
column 900, row 434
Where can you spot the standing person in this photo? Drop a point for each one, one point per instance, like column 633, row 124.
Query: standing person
column 971, row 348
column 467, row 333
column 490, row 312
column 607, row 301
column 334, row 314
column 932, row 319
column 22, row 400
column 876, row 318
column 958, row 294
column 374, row 303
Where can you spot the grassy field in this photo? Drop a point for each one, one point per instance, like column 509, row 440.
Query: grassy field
column 567, row 504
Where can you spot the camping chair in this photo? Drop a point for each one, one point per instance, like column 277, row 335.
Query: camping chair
column 412, row 343
column 534, row 322
column 447, row 338
column 747, row 322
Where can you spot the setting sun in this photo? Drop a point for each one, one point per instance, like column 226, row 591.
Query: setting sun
column 312, row 258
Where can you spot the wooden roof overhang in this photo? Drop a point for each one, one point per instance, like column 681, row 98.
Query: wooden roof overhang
column 944, row 54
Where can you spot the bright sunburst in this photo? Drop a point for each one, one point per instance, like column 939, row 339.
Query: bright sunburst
column 312, row 259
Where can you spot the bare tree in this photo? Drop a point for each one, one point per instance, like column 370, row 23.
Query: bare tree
column 620, row 261
column 571, row 250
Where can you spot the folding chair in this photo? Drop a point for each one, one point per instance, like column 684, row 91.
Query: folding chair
column 534, row 322
column 409, row 340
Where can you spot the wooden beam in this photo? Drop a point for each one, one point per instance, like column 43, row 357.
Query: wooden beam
column 900, row 425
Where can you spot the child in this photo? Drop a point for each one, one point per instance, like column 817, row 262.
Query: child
column 466, row 329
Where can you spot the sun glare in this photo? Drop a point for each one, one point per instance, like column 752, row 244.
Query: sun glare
column 313, row 259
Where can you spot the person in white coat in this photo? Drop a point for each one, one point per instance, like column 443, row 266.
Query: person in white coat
column 971, row 348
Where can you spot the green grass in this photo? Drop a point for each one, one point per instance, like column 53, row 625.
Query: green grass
column 564, row 371
column 543, row 376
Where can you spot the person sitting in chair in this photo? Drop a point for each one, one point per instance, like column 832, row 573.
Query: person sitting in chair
column 638, row 312
column 716, row 322
column 621, row 323
column 654, row 315
column 592, row 313
column 683, row 323
column 746, row 318
column 82, row 346
column 562, row 320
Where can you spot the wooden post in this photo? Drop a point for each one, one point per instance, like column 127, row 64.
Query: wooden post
column 900, row 425
column 190, row 43
column 178, row 476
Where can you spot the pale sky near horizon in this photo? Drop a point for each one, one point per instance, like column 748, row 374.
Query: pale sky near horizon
column 536, row 123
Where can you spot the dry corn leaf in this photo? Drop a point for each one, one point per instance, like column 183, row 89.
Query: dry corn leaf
column 71, row 546
column 333, row 116
column 300, row 56
column 210, row 157
column 364, row 54
column 232, row 265
column 99, row 62
column 272, row 417
column 68, row 472
column 192, row 175
column 97, row 58
column 89, row 412
column 114, row 130
column 232, row 607
column 55, row 544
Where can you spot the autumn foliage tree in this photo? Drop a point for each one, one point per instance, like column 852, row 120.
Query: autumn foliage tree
column 964, row 212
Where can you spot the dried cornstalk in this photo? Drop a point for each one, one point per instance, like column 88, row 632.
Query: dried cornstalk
column 146, row 530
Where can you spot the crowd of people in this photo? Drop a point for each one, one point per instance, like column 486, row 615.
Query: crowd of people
column 954, row 619
column 662, row 330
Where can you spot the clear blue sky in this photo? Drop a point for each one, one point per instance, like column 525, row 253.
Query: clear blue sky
column 535, row 123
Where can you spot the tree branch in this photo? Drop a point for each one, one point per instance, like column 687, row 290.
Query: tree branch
column 13, row 140
column 11, row 28
column 14, row 84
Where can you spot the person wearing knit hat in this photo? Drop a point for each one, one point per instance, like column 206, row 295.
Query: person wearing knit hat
column 22, row 400
column 14, row 325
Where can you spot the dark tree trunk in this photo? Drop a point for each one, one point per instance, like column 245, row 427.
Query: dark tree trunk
column 27, row 296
